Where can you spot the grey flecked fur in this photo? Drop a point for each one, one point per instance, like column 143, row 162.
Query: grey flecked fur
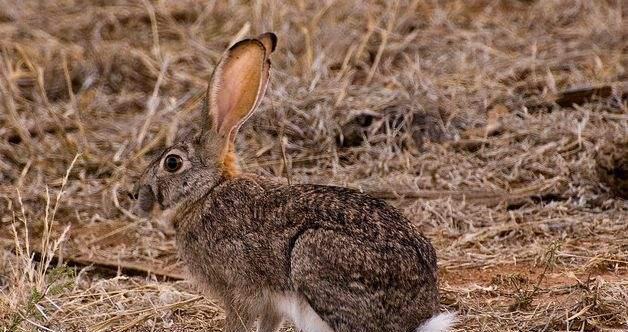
column 357, row 261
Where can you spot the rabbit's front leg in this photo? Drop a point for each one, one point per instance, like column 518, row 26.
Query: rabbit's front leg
column 269, row 319
column 238, row 320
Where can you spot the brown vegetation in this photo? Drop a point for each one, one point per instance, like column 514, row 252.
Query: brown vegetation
column 496, row 126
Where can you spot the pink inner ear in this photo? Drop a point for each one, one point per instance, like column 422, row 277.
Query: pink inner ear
column 235, row 87
column 232, row 89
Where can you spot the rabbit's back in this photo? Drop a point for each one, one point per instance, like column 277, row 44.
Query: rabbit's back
column 329, row 244
column 358, row 262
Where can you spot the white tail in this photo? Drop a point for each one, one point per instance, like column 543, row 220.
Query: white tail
column 439, row 323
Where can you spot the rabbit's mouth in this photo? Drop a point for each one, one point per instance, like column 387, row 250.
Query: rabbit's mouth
column 144, row 200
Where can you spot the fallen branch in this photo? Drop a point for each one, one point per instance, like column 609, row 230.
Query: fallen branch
column 584, row 95
column 579, row 96
column 106, row 267
column 484, row 197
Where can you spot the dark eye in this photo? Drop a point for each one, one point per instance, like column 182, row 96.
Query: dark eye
column 173, row 163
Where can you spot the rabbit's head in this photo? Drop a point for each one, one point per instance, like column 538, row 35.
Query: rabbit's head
column 192, row 166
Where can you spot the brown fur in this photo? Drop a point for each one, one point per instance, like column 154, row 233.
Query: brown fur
column 354, row 261
column 230, row 164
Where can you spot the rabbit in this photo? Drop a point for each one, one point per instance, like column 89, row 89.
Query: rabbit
column 325, row 258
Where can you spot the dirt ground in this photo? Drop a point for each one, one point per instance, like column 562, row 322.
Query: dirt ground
column 498, row 127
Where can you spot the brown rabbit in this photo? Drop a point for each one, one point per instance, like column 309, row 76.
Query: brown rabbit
column 326, row 258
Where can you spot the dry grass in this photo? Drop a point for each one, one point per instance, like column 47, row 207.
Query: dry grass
column 449, row 109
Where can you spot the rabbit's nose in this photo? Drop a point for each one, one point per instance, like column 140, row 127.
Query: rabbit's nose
column 134, row 194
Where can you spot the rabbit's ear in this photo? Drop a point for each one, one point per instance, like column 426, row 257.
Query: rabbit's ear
column 238, row 84
column 269, row 40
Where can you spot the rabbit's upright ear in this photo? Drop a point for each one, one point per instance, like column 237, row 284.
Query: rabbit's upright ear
column 238, row 85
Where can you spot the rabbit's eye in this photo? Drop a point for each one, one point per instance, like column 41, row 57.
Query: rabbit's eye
column 173, row 163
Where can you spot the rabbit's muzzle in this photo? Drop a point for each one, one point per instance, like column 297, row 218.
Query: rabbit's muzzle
column 144, row 198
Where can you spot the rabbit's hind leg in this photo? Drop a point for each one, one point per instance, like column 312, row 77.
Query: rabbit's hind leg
column 296, row 309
